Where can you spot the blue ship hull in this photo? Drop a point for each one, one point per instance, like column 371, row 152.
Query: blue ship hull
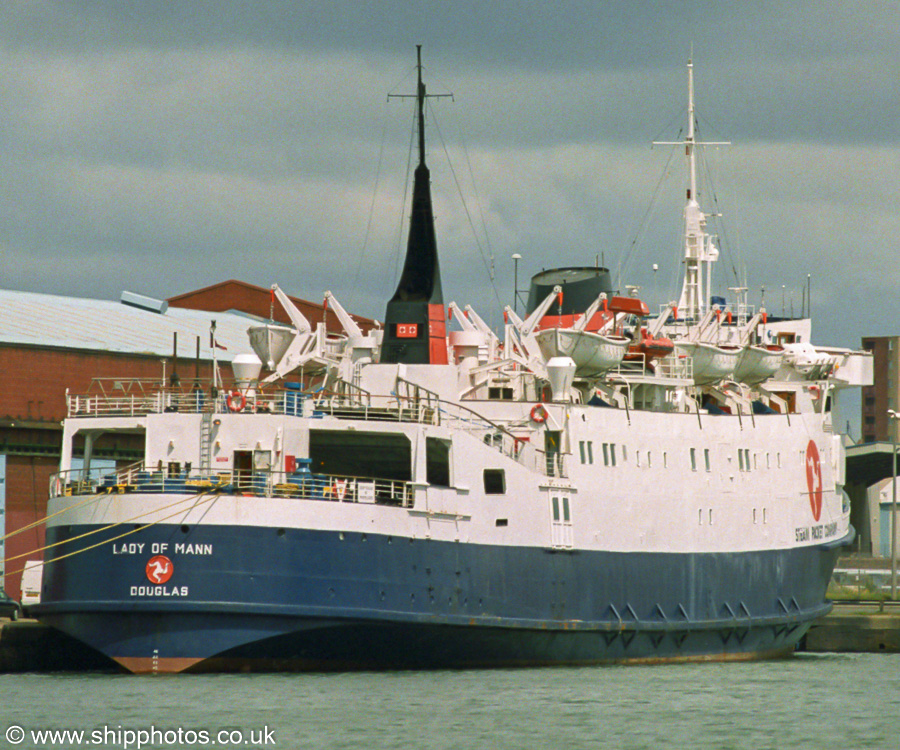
column 267, row 598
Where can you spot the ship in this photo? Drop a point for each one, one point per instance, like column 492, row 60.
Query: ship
column 433, row 493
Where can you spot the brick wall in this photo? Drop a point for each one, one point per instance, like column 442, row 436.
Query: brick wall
column 32, row 404
column 27, row 480
column 35, row 380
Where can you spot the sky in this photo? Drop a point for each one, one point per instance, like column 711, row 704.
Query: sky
column 161, row 147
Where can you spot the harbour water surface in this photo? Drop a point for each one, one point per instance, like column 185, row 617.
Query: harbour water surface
column 809, row 701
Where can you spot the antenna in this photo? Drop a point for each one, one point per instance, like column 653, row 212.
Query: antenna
column 699, row 246
column 421, row 95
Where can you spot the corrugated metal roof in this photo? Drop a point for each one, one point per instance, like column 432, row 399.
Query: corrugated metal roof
column 48, row 320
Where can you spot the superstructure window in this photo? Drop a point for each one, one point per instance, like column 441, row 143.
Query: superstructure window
column 437, row 462
column 494, row 482
column 609, row 454
column 377, row 455
column 586, row 449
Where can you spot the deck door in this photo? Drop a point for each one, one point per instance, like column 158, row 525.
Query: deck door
column 561, row 532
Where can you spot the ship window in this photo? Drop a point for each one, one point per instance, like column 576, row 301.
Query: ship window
column 693, row 459
column 437, row 462
column 649, row 460
column 494, row 482
column 609, row 454
column 377, row 455
column 586, row 449
column 555, row 508
column 740, row 459
column 637, row 458
column 500, row 394
column 565, row 508
column 706, row 458
column 665, row 460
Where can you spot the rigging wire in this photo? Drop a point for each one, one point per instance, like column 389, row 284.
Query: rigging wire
column 362, row 253
column 726, row 242
column 398, row 250
column 489, row 266
column 644, row 223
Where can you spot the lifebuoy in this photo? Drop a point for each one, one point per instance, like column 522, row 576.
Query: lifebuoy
column 539, row 413
column 236, row 401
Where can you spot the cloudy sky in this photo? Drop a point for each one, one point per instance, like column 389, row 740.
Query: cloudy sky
column 162, row 146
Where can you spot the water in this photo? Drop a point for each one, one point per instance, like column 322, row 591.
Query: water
column 809, row 701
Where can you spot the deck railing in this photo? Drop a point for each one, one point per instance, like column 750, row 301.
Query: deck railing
column 256, row 483
column 411, row 403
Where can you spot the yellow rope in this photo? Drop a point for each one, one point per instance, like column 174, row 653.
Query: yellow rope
column 111, row 526
column 90, row 498
column 107, row 541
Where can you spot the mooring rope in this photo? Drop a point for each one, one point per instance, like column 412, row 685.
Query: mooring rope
column 209, row 496
column 40, row 521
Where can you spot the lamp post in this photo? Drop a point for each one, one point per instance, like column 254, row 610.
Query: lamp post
column 516, row 258
column 894, row 416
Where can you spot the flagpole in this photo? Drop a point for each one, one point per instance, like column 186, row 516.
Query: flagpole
column 212, row 343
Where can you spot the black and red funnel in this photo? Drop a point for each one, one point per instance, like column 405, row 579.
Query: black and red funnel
column 415, row 323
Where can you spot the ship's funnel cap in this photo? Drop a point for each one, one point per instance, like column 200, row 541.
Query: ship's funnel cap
column 246, row 369
column 561, row 374
column 270, row 342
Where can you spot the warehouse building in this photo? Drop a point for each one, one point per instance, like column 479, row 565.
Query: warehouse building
column 54, row 348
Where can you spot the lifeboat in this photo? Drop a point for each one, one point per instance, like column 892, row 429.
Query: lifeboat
column 758, row 363
column 649, row 348
column 709, row 363
column 593, row 339
column 592, row 353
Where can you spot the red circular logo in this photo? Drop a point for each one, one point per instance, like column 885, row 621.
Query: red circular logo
column 159, row 569
column 814, row 479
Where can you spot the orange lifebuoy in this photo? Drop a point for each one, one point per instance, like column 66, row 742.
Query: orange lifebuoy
column 814, row 391
column 539, row 413
column 236, row 401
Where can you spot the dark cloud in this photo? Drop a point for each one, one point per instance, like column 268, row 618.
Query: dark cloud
column 163, row 146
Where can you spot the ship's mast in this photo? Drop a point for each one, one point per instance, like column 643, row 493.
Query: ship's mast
column 700, row 250
column 415, row 327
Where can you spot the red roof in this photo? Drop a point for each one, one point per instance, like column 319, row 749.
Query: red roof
column 255, row 300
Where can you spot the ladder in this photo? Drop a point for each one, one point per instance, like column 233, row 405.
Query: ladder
column 205, row 442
